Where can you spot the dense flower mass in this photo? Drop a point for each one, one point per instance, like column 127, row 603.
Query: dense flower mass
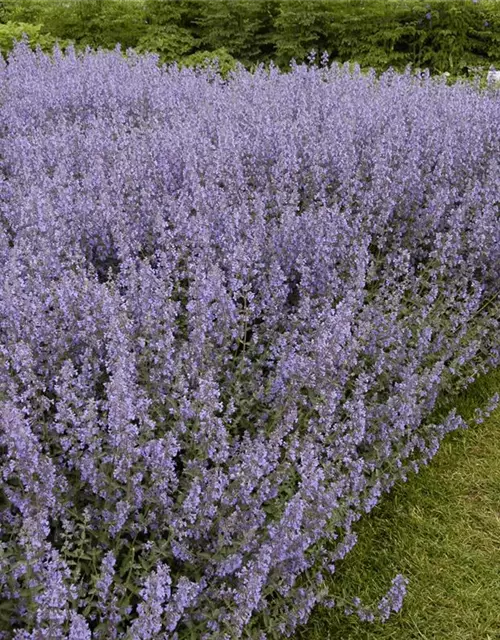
column 227, row 309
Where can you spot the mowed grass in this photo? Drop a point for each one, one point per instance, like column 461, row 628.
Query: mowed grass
column 441, row 530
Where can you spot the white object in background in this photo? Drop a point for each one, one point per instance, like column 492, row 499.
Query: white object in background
column 493, row 76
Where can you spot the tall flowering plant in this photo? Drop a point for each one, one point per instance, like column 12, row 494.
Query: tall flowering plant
column 227, row 309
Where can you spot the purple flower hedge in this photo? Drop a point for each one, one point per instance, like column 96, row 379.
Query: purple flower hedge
column 227, row 309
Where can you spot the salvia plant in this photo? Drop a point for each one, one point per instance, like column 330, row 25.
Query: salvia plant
column 227, row 310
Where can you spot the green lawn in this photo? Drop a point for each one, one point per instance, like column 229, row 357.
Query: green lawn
column 442, row 531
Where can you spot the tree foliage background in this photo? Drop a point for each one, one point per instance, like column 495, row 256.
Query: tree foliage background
column 451, row 36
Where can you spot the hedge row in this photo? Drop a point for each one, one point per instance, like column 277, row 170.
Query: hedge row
column 226, row 312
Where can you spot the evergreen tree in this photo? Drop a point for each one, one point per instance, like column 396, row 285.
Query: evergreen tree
column 301, row 27
column 171, row 30
column 243, row 28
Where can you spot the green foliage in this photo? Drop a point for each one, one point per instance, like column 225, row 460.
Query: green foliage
column 169, row 41
column 448, row 38
column 301, row 27
column 458, row 35
column 489, row 34
column 23, row 10
column 244, row 28
column 376, row 36
column 160, row 13
column 265, row 13
column 179, row 12
column 121, row 22
column 12, row 31
column 204, row 59
column 98, row 23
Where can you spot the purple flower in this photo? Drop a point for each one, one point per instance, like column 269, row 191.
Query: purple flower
column 155, row 594
column 79, row 629
column 393, row 600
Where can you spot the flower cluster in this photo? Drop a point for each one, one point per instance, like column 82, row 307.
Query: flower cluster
column 227, row 310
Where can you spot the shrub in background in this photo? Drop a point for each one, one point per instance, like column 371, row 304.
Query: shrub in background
column 170, row 42
column 440, row 35
column 171, row 32
column 301, row 27
column 95, row 23
column 245, row 29
column 220, row 60
column 444, row 35
column 451, row 37
column 226, row 312
column 16, row 31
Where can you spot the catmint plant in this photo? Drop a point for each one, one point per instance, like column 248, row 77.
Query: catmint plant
column 228, row 309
